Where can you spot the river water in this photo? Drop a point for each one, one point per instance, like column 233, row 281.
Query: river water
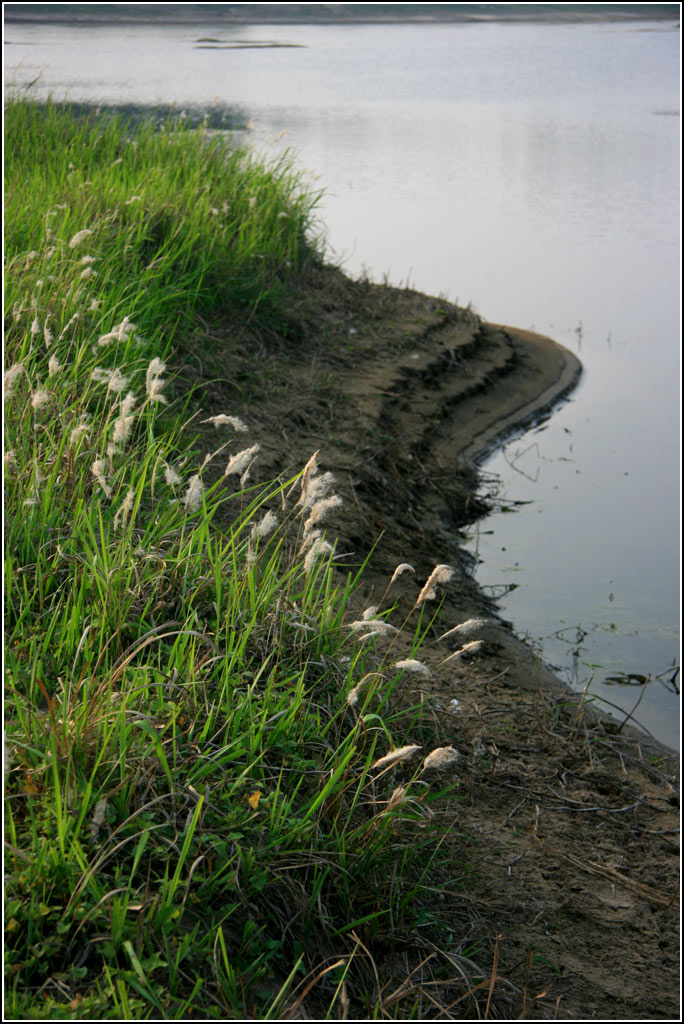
column 532, row 171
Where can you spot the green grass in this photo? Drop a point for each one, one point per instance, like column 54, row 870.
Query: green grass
column 196, row 822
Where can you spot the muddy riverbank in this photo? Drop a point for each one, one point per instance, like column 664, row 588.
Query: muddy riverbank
column 561, row 856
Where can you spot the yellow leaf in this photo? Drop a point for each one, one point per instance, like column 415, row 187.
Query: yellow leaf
column 30, row 785
column 254, row 799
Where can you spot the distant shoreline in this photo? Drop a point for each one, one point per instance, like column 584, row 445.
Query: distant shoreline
column 344, row 14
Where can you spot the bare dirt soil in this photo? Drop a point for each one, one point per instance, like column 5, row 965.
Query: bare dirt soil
column 561, row 864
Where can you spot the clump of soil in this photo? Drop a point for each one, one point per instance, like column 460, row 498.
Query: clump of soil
column 561, row 864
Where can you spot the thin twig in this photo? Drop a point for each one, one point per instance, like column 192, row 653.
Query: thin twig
column 616, row 876
column 492, row 980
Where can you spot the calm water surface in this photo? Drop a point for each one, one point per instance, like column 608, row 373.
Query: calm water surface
column 532, row 171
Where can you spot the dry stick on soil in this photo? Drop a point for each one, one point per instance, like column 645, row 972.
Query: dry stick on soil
column 526, row 1007
column 360, row 944
column 492, row 980
column 405, row 990
column 617, row 707
column 293, row 1009
column 615, row 876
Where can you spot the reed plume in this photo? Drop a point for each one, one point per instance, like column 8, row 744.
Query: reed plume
column 400, row 570
column 412, row 665
column 231, row 421
column 316, row 549
column 400, row 754
column 124, row 510
column 39, row 397
column 122, row 426
column 171, row 476
column 79, row 237
column 238, row 463
column 10, row 378
column 192, row 499
column 97, row 469
column 266, row 526
column 470, row 648
column 441, row 757
column 153, row 381
column 465, row 628
column 440, row 574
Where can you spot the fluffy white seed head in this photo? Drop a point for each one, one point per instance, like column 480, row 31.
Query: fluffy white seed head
column 440, row 574
column 171, row 476
column 153, row 381
column 125, row 328
column 82, row 428
column 114, row 379
column 192, row 499
column 124, row 510
column 318, row 548
column 98, row 817
column 7, row 758
column 155, row 369
column 266, row 526
column 398, row 797
column 396, row 755
column 412, row 665
column 353, row 695
column 79, row 237
column 400, row 569
column 379, row 627
column 10, row 378
column 321, row 509
column 98, row 470
column 470, row 648
column 39, row 397
column 308, row 472
column 118, row 333
column 122, row 426
column 465, row 628
column 154, row 393
column 317, row 487
column 441, row 757
column 238, row 463
column 228, row 421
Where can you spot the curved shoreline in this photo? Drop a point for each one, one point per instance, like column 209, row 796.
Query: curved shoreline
column 517, row 416
column 404, row 394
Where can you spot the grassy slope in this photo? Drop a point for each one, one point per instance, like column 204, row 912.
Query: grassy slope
column 199, row 816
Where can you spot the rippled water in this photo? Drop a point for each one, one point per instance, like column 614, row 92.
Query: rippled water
column 533, row 171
